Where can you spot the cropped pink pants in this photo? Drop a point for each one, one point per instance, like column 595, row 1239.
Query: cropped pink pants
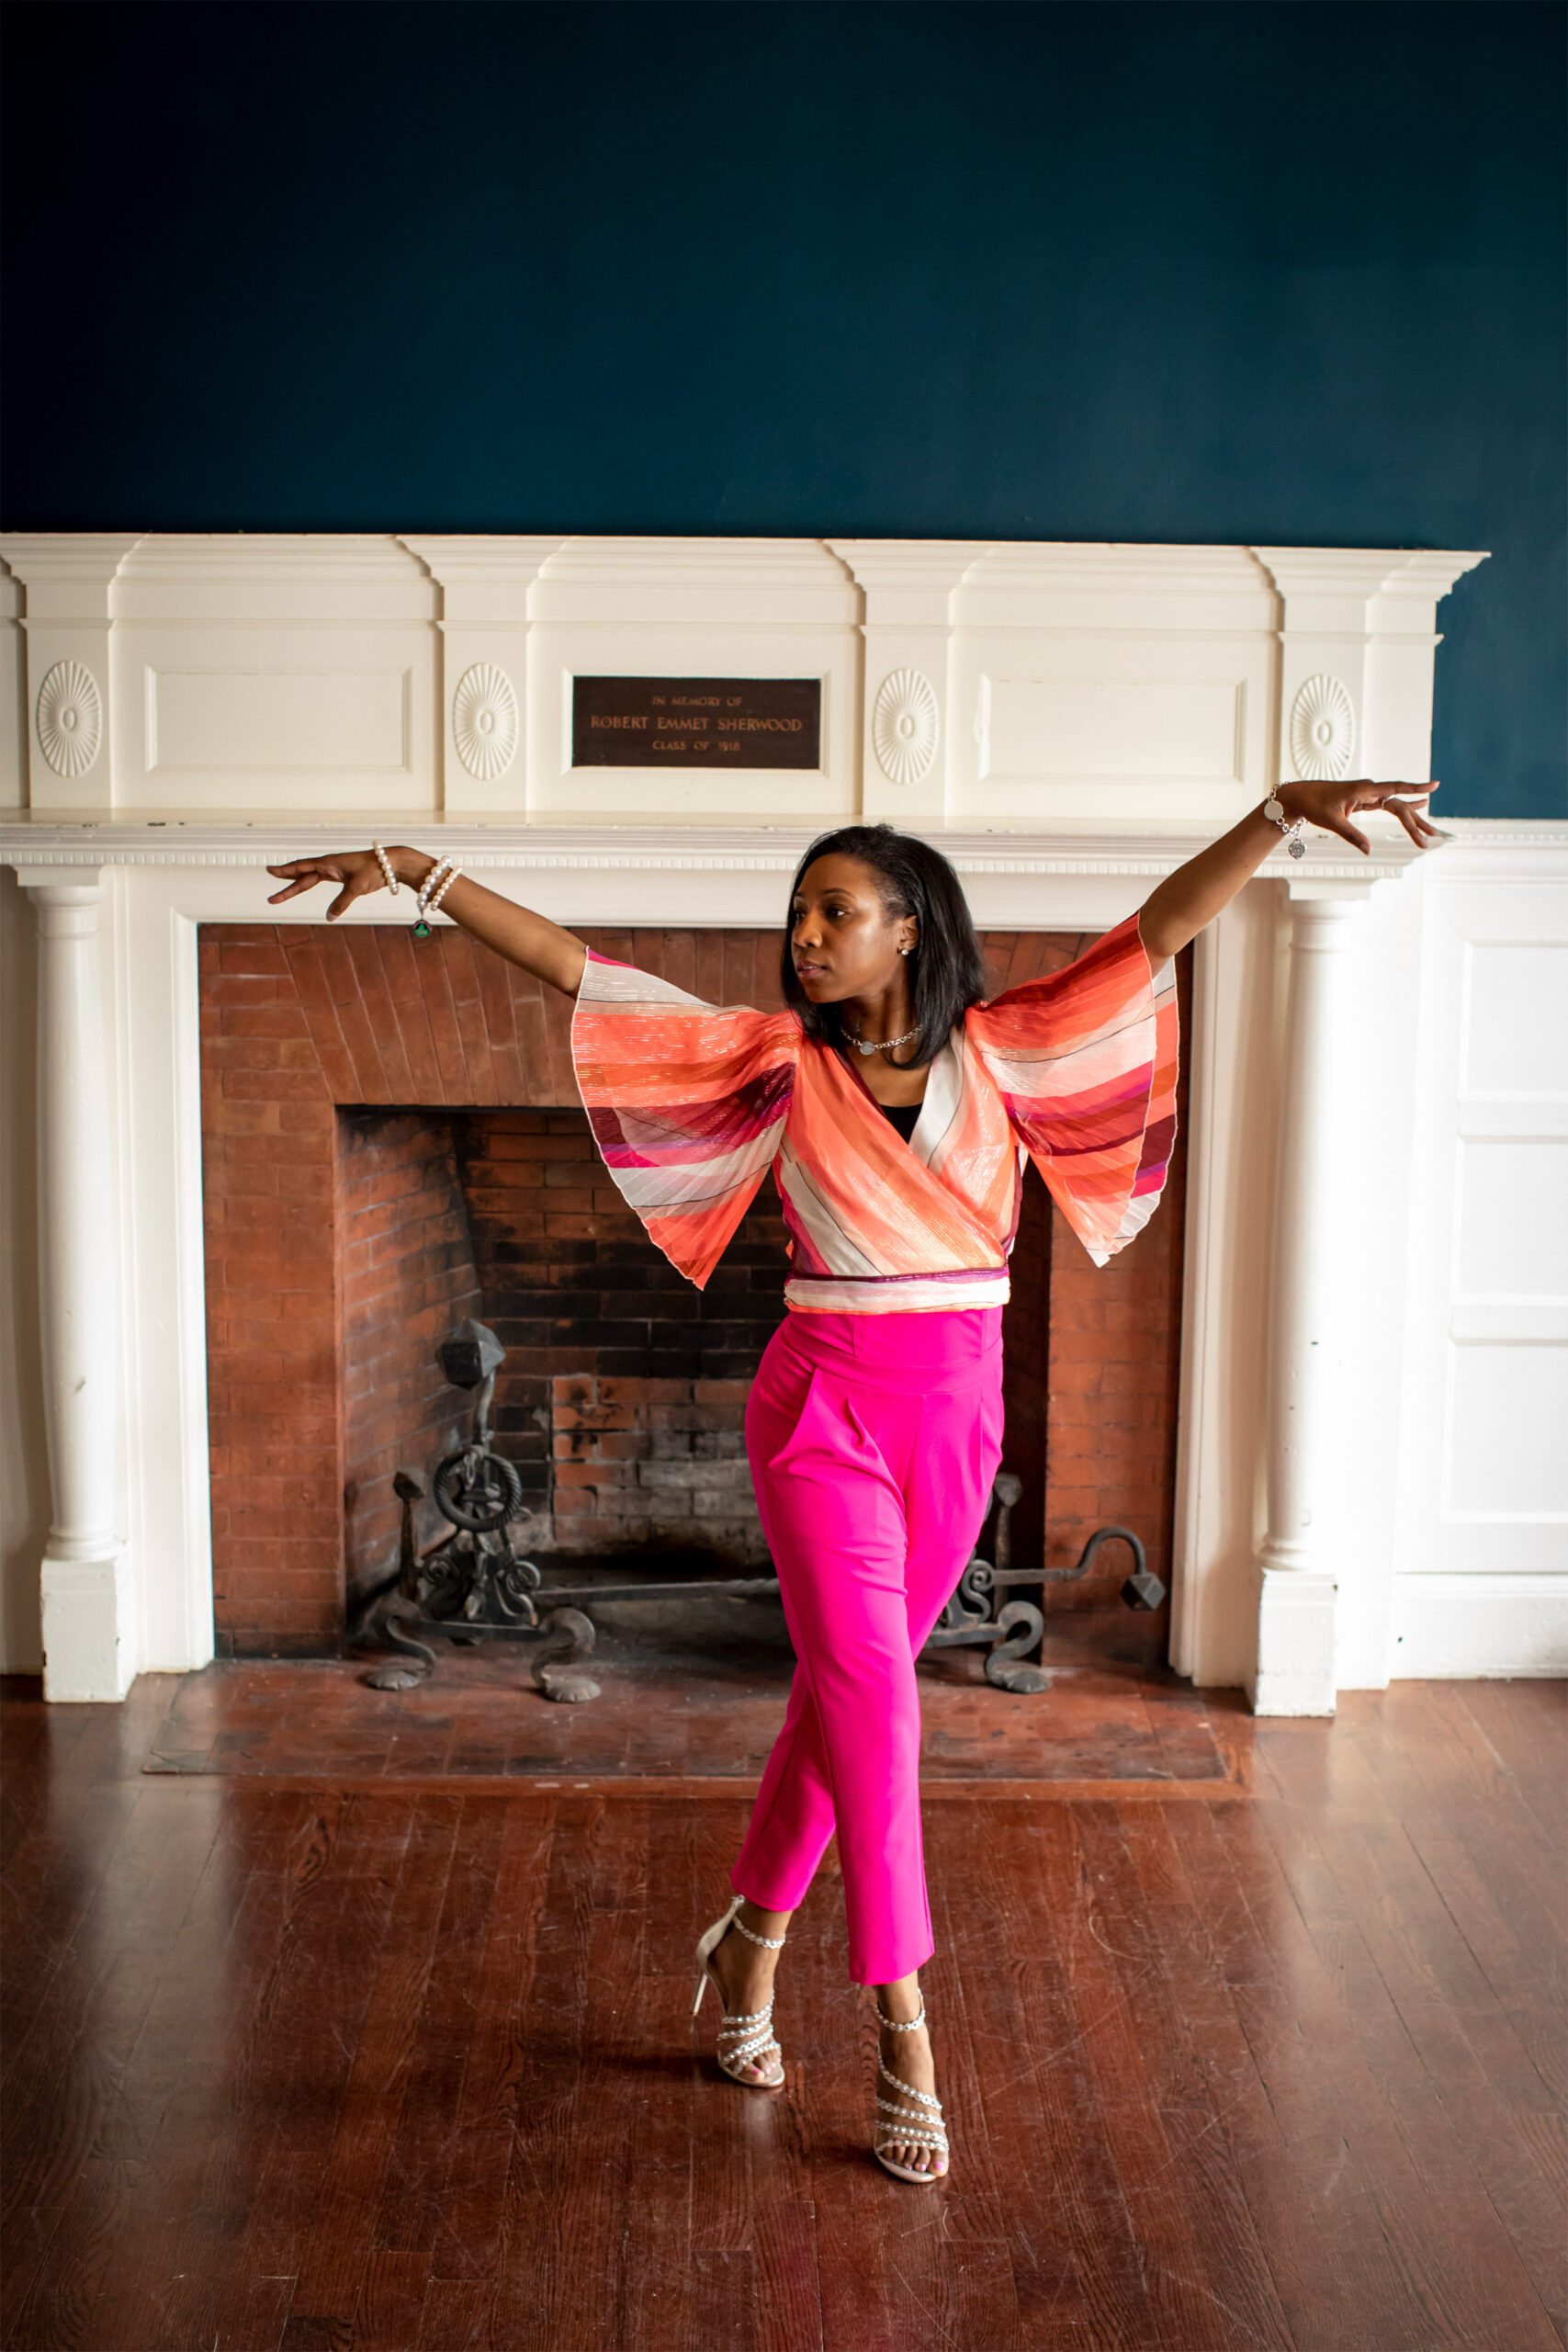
column 873, row 1440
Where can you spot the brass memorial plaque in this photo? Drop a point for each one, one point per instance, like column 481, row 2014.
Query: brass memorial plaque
column 697, row 722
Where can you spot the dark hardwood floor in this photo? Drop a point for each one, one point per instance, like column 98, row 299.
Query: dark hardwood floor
column 404, row 2059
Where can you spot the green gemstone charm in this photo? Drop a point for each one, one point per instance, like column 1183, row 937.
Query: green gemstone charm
column 422, row 929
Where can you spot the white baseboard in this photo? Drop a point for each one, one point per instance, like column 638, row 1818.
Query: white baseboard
column 1480, row 1624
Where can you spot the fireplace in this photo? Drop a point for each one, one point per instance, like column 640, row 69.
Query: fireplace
column 392, row 1142
column 621, row 1399
column 1069, row 722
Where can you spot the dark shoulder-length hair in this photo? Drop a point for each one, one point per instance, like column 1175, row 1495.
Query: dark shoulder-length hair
column 946, row 973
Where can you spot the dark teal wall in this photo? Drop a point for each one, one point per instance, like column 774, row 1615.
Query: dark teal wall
column 1242, row 272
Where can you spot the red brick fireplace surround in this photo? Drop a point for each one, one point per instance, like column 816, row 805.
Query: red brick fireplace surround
column 393, row 1141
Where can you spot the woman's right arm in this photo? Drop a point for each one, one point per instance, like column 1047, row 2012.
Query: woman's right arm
column 532, row 941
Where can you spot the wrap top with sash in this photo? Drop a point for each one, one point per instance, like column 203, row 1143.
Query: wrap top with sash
column 692, row 1104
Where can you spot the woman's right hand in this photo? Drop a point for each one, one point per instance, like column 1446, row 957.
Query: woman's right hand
column 357, row 872
column 532, row 941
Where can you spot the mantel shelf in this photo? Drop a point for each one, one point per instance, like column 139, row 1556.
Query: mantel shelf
column 269, row 839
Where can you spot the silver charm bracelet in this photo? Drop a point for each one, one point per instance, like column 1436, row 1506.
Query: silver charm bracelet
column 1274, row 809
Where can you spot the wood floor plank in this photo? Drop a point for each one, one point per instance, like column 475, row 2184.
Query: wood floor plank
column 495, row 2090
column 659, row 2101
column 1525, row 1724
column 608, row 1850
column 1468, row 2081
column 48, row 1906
column 55, row 2313
column 382, row 2058
column 179, row 2069
column 1443, row 2167
column 1110, row 1984
column 1231, row 2270
column 214, row 2295
column 461, row 2316
column 1265, row 2171
column 728, row 2123
column 1315, row 2010
column 391, row 2301
column 542, row 2241
column 954, row 1986
column 25, row 2263
column 1027, row 2041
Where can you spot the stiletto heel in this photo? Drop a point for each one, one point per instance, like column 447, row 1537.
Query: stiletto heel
column 920, row 2125
column 744, row 2038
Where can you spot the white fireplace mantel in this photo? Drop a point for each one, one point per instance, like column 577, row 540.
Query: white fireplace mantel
column 690, row 874
column 1099, row 713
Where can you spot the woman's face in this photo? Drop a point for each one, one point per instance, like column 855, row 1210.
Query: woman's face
column 843, row 941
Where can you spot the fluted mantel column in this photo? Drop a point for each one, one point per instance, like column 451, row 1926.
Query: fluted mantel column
column 87, row 1652
column 1294, row 1674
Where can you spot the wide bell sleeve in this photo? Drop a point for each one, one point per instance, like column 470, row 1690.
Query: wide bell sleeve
column 687, row 1102
column 1086, row 1063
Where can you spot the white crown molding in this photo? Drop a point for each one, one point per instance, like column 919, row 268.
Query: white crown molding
column 1367, row 572
column 1345, row 593
column 483, row 579
column 912, row 578
column 699, row 562
column 67, row 574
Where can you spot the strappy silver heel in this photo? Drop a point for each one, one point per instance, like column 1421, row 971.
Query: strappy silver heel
column 920, row 2124
column 744, row 2038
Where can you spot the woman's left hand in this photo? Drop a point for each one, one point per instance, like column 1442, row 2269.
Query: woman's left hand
column 1332, row 805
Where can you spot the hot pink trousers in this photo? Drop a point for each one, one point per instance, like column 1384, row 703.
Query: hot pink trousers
column 873, row 1440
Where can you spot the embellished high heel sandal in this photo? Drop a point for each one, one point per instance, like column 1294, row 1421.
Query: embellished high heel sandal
column 744, row 2038
column 920, row 2125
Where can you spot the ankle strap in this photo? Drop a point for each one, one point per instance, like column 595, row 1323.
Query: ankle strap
column 769, row 1943
column 892, row 2024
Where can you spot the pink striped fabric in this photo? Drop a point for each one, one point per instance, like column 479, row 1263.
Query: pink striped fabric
column 692, row 1104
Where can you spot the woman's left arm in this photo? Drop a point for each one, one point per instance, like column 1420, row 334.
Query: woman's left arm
column 1191, row 896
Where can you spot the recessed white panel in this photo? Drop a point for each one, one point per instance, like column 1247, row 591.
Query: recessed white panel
column 1513, row 1218
column 314, row 722
column 1517, row 1021
column 1168, row 729
column 1507, row 1433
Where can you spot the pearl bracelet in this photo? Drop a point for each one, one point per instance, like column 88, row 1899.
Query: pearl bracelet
column 442, row 865
column 385, row 863
column 442, row 877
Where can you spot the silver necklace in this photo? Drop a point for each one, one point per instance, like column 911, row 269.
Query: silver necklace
column 887, row 1044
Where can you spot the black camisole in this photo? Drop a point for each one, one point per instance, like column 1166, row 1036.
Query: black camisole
column 903, row 1115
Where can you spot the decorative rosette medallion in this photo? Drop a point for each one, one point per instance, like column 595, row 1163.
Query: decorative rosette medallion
column 484, row 721
column 1323, row 729
column 70, row 718
column 904, row 725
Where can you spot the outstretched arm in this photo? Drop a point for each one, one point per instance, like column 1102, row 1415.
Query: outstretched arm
column 532, row 941
column 1191, row 896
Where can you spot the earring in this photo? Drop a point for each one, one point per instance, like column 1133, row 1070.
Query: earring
column 906, row 951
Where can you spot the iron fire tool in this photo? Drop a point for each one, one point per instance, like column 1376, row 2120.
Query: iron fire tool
column 1017, row 1627
column 474, row 1580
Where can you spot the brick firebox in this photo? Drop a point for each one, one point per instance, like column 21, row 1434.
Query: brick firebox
column 393, row 1139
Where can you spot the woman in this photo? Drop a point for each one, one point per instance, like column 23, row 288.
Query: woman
column 896, row 1107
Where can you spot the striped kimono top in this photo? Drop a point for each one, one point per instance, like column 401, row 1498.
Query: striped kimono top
column 692, row 1104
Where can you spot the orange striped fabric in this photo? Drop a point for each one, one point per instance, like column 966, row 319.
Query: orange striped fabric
column 692, row 1104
